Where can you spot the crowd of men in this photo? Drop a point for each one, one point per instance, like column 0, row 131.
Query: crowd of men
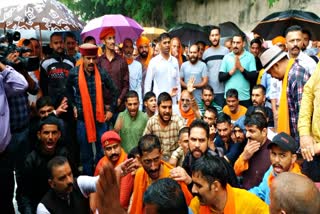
column 214, row 129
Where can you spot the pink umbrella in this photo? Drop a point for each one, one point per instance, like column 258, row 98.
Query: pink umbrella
column 125, row 27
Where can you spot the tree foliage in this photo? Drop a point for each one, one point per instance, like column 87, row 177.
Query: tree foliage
column 271, row 2
column 146, row 12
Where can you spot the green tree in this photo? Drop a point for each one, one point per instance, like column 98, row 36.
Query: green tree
column 271, row 2
column 146, row 12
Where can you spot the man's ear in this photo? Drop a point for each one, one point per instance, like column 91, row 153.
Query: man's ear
column 215, row 186
column 51, row 183
column 38, row 135
column 294, row 158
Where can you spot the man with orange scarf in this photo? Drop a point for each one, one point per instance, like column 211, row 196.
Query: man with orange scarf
column 145, row 54
column 283, row 159
column 213, row 194
column 153, row 168
column 84, row 87
column 294, row 77
column 115, row 155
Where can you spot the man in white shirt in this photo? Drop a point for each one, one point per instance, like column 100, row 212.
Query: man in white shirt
column 163, row 73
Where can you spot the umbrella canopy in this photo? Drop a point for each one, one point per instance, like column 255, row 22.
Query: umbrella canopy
column 189, row 33
column 276, row 23
column 125, row 27
column 152, row 32
column 37, row 14
column 229, row 29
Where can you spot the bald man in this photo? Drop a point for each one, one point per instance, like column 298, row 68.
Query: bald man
column 294, row 193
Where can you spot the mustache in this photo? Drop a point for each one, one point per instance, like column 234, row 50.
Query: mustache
column 277, row 165
column 196, row 150
column 295, row 47
column 114, row 155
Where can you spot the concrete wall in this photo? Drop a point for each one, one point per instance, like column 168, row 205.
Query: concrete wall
column 245, row 13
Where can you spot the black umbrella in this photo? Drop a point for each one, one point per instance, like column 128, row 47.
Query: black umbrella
column 229, row 29
column 276, row 23
column 189, row 33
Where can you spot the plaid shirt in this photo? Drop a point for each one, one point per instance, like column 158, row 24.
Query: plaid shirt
column 297, row 78
column 168, row 136
column 74, row 91
column 19, row 110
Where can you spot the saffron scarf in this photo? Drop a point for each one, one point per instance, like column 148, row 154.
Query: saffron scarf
column 295, row 169
column 141, row 183
column 189, row 115
column 230, row 207
column 283, row 118
column 86, row 103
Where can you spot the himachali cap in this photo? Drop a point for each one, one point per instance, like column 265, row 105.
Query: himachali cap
column 88, row 49
column 285, row 142
column 271, row 56
column 110, row 137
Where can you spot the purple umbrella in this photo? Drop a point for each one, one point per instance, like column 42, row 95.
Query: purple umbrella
column 125, row 27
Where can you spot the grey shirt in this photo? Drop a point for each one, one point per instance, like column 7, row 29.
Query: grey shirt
column 213, row 58
column 198, row 71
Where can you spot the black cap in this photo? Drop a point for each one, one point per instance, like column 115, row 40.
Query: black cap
column 285, row 142
column 50, row 119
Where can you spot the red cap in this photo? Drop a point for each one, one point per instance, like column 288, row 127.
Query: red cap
column 110, row 137
column 88, row 49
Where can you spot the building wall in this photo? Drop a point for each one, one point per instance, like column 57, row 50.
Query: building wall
column 245, row 13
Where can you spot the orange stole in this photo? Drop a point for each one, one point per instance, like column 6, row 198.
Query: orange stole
column 103, row 161
column 89, row 120
column 230, row 205
column 283, row 118
column 141, row 184
column 296, row 169
column 189, row 116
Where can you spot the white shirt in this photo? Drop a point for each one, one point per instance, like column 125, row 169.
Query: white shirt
column 165, row 76
column 306, row 61
column 135, row 79
column 87, row 185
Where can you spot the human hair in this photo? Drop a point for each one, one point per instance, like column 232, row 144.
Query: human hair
column 88, row 39
column 199, row 124
column 213, row 110
column 164, row 36
column 183, row 130
column 52, row 120
column 69, row 35
column 194, row 45
column 292, row 29
column 212, row 169
column 200, row 43
column 238, row 35
column 167, row 195
column 148, row 143
column 294, row 193
column 232, row 93
column 44, row 101
column 164, row 96
column 133, row 152
column 257, row 109
column 214, row 27
column 256, row 41
column 209, row 88
column 55, row 162
column 128, row 39
column 131, row 94
column 259, row 86
column 223, row 118
column 55, row 34
column 148, row 95
column 256, row 119
column 305, row 31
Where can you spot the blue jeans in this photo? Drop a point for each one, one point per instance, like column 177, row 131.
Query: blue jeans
column 86, row 153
